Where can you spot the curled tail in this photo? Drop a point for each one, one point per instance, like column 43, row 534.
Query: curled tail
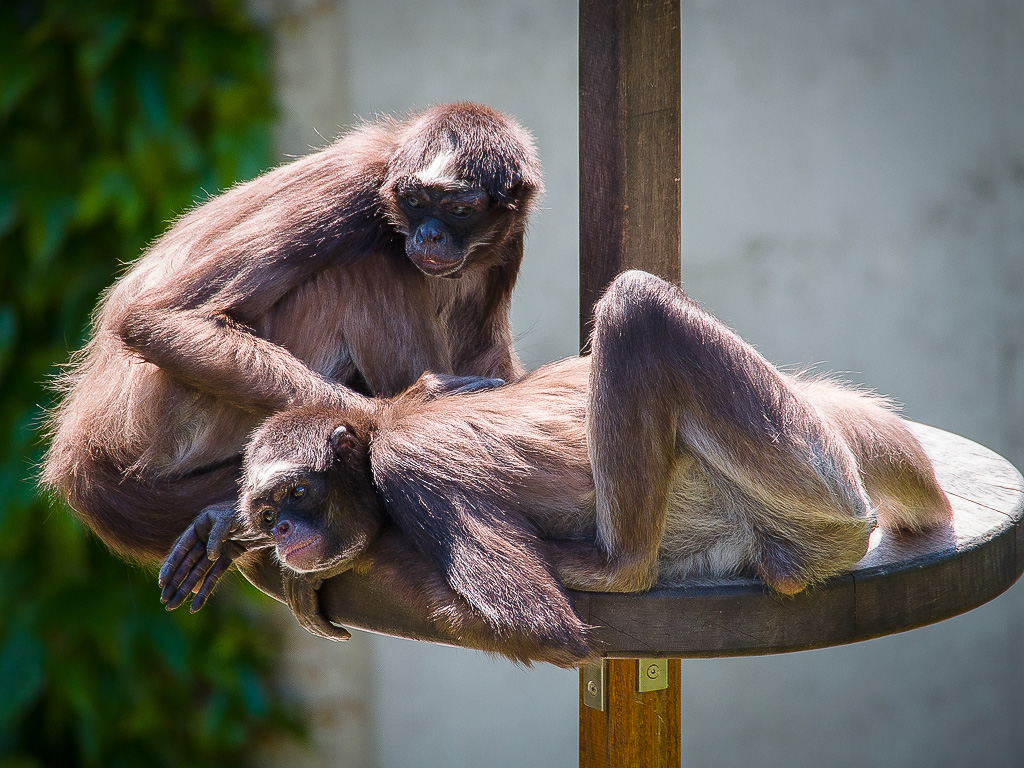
column 896, row 471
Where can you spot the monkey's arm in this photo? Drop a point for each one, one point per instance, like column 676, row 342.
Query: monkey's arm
column 393, row 562
column 213, row 352
column 192, row 306
column 483, row 341
column 488, row 555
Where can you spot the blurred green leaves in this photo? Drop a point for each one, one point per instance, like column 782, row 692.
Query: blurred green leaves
column 115, row 117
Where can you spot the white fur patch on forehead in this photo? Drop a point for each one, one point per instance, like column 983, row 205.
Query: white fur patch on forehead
column 271, row 474
column 436, row 171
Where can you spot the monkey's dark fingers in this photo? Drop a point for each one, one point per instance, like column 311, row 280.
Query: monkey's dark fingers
column 182, row 547
column 210, row 529
column 189, row 581
column 220, row 567
column 180, row 578
column 478, row 385
column 225, row 522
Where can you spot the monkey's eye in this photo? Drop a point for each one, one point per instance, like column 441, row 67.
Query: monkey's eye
column 298, row 491
column 411, row 201
column 461, row 211
column 268, row 516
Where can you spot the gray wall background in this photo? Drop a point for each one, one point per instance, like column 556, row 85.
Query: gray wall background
column 853, row 197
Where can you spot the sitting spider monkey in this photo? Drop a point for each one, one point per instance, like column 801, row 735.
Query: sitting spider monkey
column 390, row 252
column 673, row 451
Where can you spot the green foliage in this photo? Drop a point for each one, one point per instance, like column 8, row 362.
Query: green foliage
column 114, row 118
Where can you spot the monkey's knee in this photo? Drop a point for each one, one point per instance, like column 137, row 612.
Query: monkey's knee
column 103, row 499
column 630, row 296
column 635, row 283
column 637, row 316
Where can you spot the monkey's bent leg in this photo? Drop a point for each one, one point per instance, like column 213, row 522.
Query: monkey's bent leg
column 668, row 378
column 631, row 437
column 143, row 516
column 139, row 514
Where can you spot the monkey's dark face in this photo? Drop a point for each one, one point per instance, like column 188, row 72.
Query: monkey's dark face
column 445, row 222
column 321, row 511
column 461, row 182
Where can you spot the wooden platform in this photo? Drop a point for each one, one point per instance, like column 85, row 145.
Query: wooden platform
column 902, row 583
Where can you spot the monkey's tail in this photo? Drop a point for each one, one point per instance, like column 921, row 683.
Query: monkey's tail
column 896, row 471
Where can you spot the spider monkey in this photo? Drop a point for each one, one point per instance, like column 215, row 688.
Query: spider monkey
column 674, row 451
column 390, row 252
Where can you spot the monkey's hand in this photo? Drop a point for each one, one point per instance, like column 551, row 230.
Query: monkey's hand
column 437, row 384
column 201, row 556
column 300, row 592
column 477, row 384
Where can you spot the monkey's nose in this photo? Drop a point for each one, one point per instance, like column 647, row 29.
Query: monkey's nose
column 282, row 529
column 431, row 233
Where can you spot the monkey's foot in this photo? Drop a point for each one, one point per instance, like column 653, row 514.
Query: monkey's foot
column 301, row 594
column 200, row 557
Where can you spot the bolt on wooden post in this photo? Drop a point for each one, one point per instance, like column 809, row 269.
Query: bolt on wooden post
column 630, row 112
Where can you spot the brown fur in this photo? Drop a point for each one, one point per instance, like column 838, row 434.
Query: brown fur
column 279, row 292
column 674, row 452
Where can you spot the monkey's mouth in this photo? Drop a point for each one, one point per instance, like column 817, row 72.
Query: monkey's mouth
column 437, row 266
column 302, row 555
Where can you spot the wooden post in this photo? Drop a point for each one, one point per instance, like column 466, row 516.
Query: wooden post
column 635, row 729
column 629, row 143
column 629, row 218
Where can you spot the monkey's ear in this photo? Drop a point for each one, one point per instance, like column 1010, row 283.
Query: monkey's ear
column 514, row 191
column 342, row 441
column 520, row 192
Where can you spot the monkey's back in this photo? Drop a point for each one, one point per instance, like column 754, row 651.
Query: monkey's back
column 522, row 446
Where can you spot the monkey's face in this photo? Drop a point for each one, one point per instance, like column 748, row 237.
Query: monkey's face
column 462, row 179
column 444, row 222
column 316, row 502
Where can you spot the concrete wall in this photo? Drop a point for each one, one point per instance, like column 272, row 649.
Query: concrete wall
column 853, row 195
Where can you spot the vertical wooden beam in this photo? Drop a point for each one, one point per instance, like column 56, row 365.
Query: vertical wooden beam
column 629, row 218
column 629, row 143
column 635, row 729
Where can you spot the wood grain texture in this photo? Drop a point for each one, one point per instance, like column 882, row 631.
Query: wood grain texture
column 902, row 583
column 635, row 729
column 630, row 111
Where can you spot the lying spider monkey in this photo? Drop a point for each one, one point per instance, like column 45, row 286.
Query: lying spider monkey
column 390, row 252
column 674, row 451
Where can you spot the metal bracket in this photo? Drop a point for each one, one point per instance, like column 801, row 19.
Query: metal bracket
column 651, row 675
column 594, row 685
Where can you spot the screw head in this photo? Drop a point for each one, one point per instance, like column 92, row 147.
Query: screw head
column 652, row 671
column 592, row 688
